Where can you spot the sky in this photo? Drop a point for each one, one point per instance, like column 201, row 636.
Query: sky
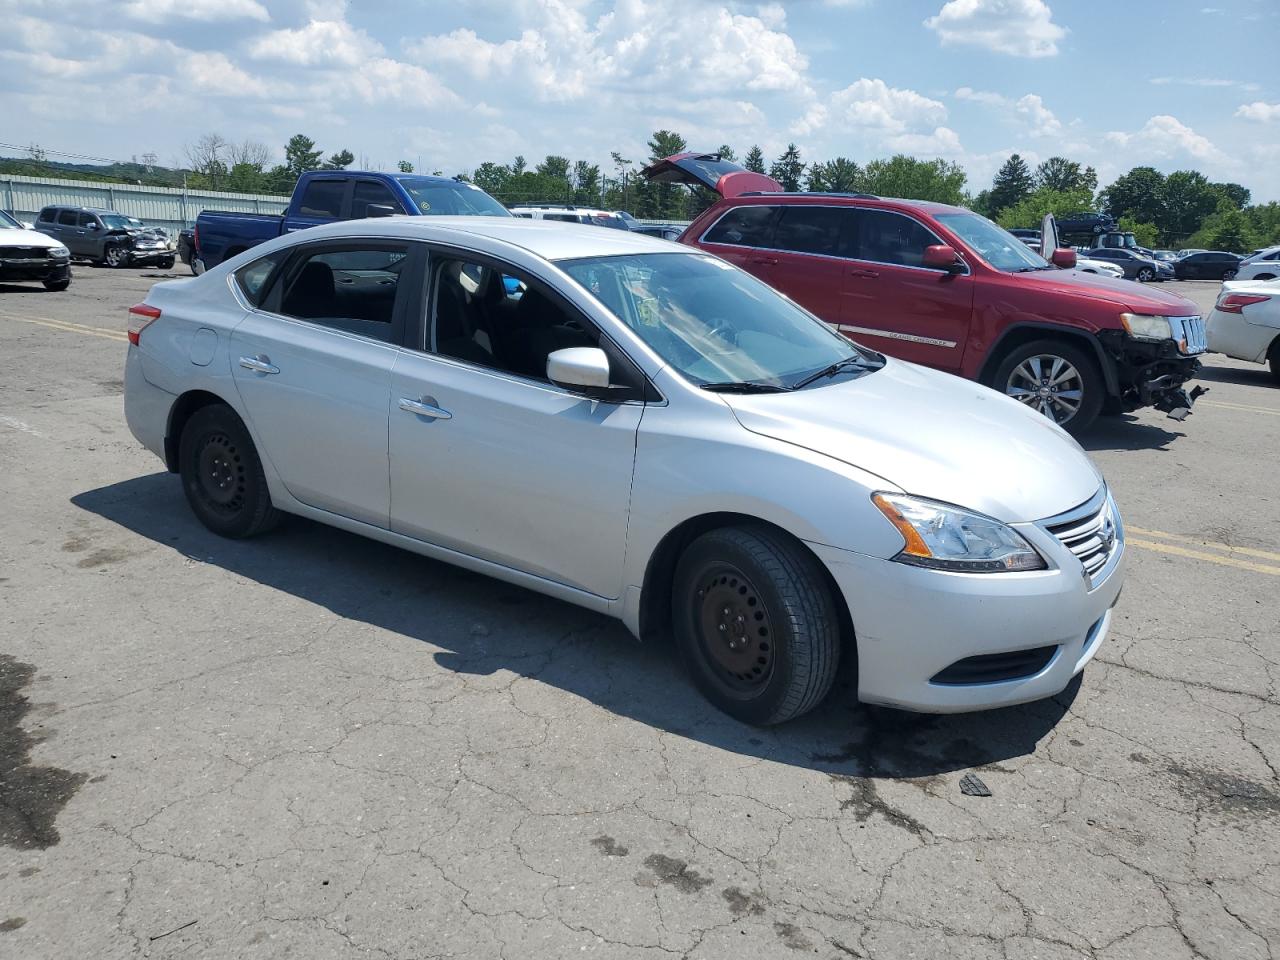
column 448, row 84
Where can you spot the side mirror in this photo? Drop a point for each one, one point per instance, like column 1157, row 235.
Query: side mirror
column 941, row 256
column 1064, row 258
column 582, row 367
column 93, row 226
column 380, row 210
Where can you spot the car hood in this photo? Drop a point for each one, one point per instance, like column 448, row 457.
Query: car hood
column 12, row 237
column 1134, row 297
column 933, row 435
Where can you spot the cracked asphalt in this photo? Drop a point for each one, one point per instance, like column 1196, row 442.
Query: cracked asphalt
column 310, row 745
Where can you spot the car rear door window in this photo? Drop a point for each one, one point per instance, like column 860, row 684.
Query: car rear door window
column 820, row 230
column 370, row 191
column 887, row 237
column 323, row 198
column 745, row 226
column 353, row 288
column 67, row 218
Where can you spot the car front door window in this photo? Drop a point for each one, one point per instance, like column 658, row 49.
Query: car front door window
column 887, row 237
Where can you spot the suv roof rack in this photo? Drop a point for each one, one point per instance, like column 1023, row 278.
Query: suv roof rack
column 808, row 193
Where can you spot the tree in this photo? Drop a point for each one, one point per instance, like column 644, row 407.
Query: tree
column 726, row 153
column 662, row 201
column 301, row 155
column 555, row 167
column 586, row 179
column 901, row 176
column 249, row 152
column 1189, row 198
column 1146, row 234
column 518, row 165
column 1012, row 184
column 840, row 175
column 665, row 143
column 755, row 160
column 246, row 178
column 340, row 160
column 1238, row 195
column 982, row 204
column 788, row 168
column 1030, row 211
column 207, row 157
column 404, row 166
column 1138, row 194
column 1059, row 173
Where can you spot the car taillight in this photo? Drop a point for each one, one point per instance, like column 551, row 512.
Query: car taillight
column 141, row 316
column 195, row 238
column 1236, row 302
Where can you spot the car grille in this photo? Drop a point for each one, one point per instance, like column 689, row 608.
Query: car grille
column 1090, row 532
column 24, row 253
column 1189, row 334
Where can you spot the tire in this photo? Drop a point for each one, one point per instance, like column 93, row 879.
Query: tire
column 1265, row 276
column 780, row 611
column 1145, row 275
column 1016, row 376
column 222, row 475
column 1273, row 360
column 1228, row 275
column 57, row 286
column 115, row 256
column 166, row 264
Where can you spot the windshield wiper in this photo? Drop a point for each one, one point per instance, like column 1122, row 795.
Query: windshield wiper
column 742, row 386
column 1047, row 266
column 832, row 370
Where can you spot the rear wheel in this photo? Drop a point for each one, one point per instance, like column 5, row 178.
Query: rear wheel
column 222, row 475
column 1228, row 274
column 756, row 624
column 1265, row 276
column 166, row 263
column 1056, row 379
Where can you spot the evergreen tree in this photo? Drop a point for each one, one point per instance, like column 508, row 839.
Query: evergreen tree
column 340, row 160
column 301, row 155
column 726, row 153
column 788, row 168
column 1061, row 174
column 755, row 160
column 840, row 175
column 1012, row 184
column 405, row 166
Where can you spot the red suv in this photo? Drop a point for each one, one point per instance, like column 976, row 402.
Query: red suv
column 945, row 287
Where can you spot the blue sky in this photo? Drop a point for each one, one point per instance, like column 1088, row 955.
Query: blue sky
column 450, row 83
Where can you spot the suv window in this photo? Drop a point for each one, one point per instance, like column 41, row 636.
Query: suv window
column 67, row 218
column 353, row 289
column 323, row 198
column 47, row 214
column 85, row 219
column 813, row 230
column 745, row 226
column 887, row 237
column 562, row 217
column 252, row 278
column 370, row 191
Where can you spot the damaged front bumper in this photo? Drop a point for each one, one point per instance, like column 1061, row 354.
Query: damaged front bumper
column 1154, row 373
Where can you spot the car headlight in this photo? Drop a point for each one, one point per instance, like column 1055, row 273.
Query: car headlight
column 59, row 252
column 942, row 537
column 1144, row 327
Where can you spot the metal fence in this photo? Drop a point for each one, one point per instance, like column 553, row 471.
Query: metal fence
column 171, row 208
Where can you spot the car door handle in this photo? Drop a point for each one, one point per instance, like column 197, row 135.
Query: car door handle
column 425, row 407
column 765, row 261
column 860, row 272
column 259, row 364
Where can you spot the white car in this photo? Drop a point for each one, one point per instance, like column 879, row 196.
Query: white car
column 646, row 431
column 1101, row 267
column 28, row 256
column 572, row 213
column 1245, row 322
column 1263, row 265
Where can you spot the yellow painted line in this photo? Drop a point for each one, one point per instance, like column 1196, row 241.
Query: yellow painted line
column 68, row 327
column 1201, row 542
column 1208, row 557
column 1238, row 406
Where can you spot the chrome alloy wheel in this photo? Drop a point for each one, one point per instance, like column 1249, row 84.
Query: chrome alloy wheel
column 1048, row 384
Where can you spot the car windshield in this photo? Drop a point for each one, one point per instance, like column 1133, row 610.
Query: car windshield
column 717, row 325
column 994, row 244
column 456, row 198
column 8, row 221
column 115, row 221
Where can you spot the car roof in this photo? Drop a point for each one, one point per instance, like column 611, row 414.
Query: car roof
column 548, row 239
column 844, row 199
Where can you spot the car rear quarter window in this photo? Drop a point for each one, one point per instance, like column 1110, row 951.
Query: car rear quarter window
column 745, row 226
column 252, row 278
column 887, row 237
column 821, row 230
column 323, row 198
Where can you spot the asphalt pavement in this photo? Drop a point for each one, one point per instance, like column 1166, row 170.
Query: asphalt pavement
column 311, row 745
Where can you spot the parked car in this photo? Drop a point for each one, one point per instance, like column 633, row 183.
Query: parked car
column 105, row 237
column 1135, row 266
column 778, row 497
column 1167, row 256
column 1086, row 222
column 1190, row 250
column 322, row 196
column 660, row 230
column 1104, row 267
column 631, row 222
column 570, row 213
column 1209, row 265
column 1245, row 322
column 1030, row 237
column 1262, row 265
column 27, row 255
column 945, row 287
column 187, row 247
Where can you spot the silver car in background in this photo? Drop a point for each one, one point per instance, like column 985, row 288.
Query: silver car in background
column 646, row 431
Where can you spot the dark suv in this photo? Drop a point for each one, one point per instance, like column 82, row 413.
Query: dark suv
column 105, row 237
column 945, row 287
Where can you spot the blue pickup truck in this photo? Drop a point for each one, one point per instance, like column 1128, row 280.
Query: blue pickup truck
column 323, row 196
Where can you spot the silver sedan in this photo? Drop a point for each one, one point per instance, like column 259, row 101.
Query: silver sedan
column 644, row 430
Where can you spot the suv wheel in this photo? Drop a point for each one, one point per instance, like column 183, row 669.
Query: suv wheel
column 1056, row 379
column 115, row 256
column 756, row 624
column 222, row 475
column 1229, row 274
column 57, row 285
column 1146, row 275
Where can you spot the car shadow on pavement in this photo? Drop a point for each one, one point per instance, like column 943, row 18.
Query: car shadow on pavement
column 1258, row 376
column 480, row 625
column 1126, row 432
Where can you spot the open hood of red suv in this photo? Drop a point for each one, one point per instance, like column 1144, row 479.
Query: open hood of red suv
column 708, row 170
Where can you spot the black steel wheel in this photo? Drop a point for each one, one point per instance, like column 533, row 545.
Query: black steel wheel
column 756, row 623
column 222, row 476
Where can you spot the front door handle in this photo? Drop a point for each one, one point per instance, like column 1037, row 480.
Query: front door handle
column 765, row 261
column 426, row 407
column 259, row 364
column 860, row 272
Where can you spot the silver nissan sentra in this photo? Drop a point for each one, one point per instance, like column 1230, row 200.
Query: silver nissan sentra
column 644, row 430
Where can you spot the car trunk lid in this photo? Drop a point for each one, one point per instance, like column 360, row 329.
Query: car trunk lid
column 712, row 171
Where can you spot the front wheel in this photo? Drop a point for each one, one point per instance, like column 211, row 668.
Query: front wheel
column 1056, row 379
column 1146, row 275
column 166, row 264
column 222, row 475
column 756, row 624
column 116, row 256
column 57, row 285
column 1228, row 275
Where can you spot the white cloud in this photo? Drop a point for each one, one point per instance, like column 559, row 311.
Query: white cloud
column 982, row 96
column 328, row 42
column 1166, row 137
column 1028, row 111
column 207, row 11
column 1260, row 111
column 1202, row 82
column 1020, row 28
column 942, row 142
column 871, row 105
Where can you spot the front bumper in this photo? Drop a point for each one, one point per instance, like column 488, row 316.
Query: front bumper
column 151, row 255
column 45, row 269
column 912, row 624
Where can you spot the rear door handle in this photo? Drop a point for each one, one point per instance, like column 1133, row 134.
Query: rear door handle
column 859, row 272
column 259, row 364
column 426, row 407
